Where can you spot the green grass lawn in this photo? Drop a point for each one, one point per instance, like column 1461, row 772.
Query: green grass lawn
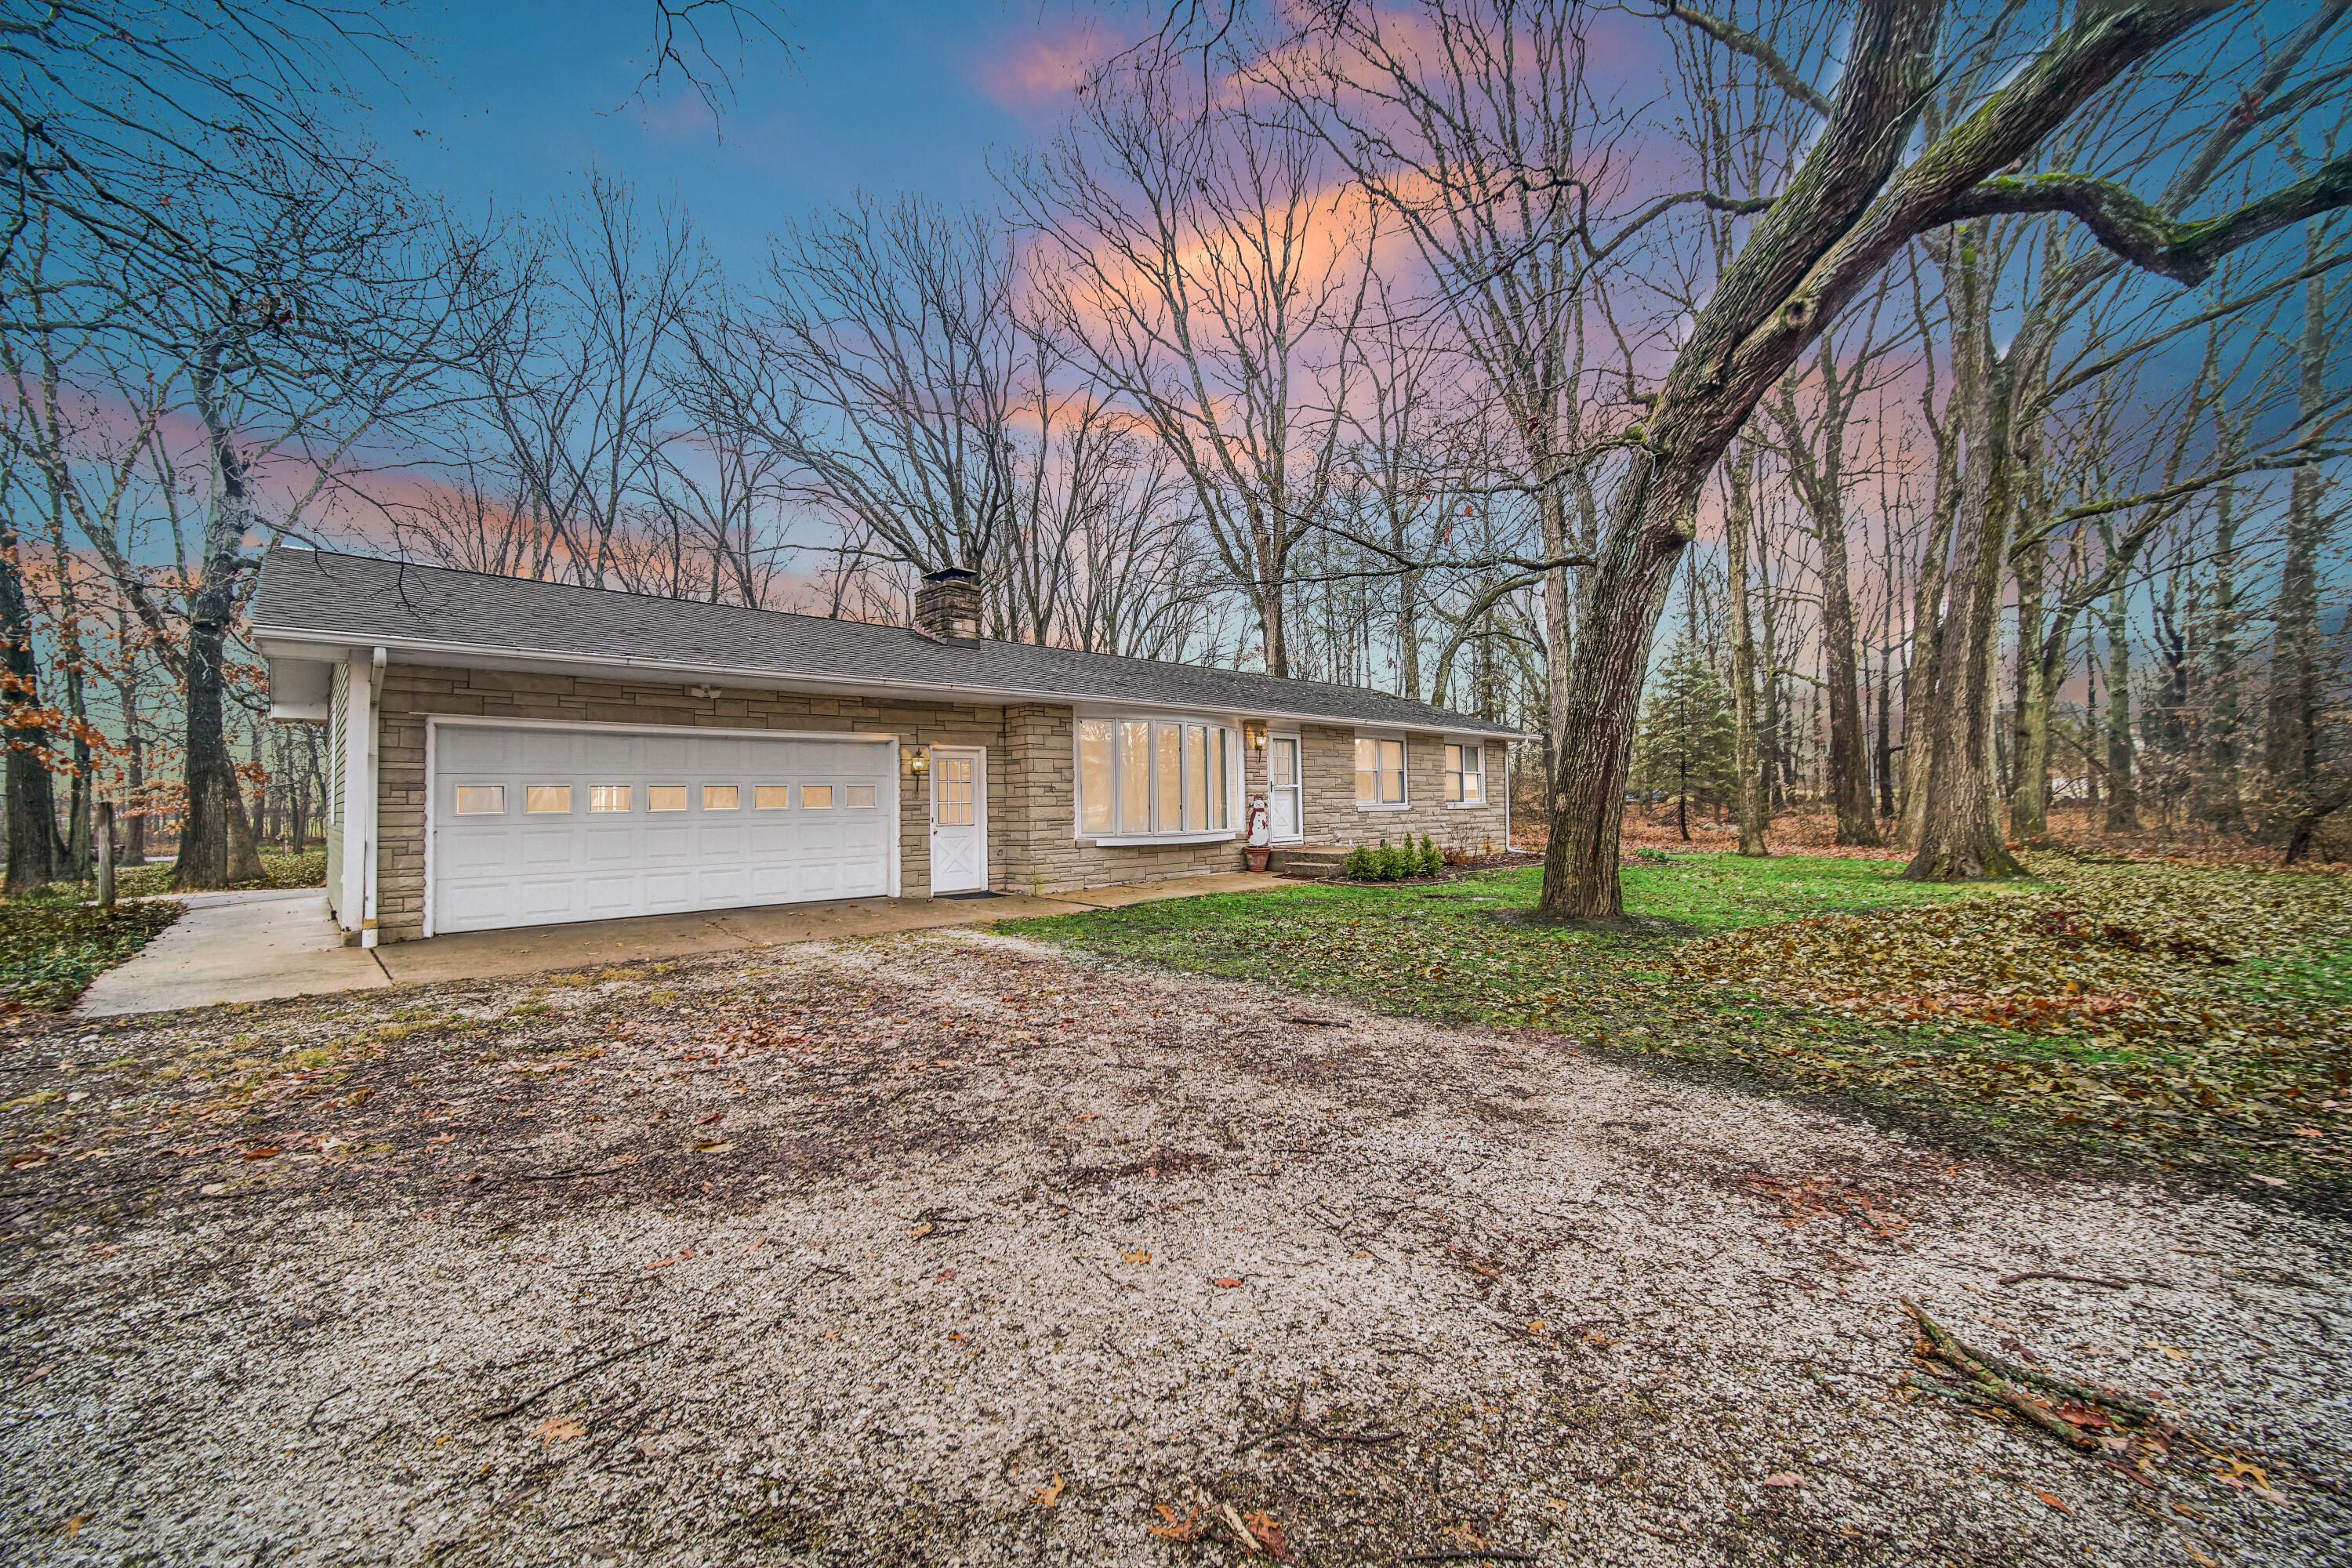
column 2190, row 1017
column 51, row 949
column 53, row 942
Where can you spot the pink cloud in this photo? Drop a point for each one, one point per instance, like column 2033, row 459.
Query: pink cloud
column 1039, row 69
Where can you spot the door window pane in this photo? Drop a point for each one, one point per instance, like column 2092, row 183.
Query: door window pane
column 665, row 798
column 722, row 797
column 608, row 797
column 481, row 800
column 859, row 795
column 955, row 792
column 1134, row 776
column 816, row 797
column 1094, row 775
column 546, row 800
column 1168, row 776
column 770, row 797
column 1281, row 762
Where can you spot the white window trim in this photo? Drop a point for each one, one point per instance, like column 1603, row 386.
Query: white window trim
column 1404, row 758
column 1236, row 781
column 1485, row 775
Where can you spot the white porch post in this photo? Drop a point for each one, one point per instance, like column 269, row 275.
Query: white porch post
column 355, row 902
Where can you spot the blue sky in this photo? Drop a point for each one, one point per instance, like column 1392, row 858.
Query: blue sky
column 523, row 96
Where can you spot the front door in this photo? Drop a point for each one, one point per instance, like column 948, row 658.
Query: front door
column 959, row 820
column 1282, row 790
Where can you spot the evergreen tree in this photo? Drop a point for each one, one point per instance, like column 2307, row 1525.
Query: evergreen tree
column 1686, row 749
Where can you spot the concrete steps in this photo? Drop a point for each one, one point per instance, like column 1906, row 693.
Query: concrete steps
column 1316, row 861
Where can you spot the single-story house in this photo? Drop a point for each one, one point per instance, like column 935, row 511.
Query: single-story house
column 514, row 753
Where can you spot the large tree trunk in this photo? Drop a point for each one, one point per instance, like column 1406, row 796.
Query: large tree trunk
column 216, row 843
column 1849, row 760
column 1738, row 518
column 2029, row 800
column 1959, row 839
column 2123, row 790
column 2291, row 749
column 34, row 854
column 1626, row 594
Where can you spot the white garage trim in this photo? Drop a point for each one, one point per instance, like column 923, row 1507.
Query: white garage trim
column 435, row 723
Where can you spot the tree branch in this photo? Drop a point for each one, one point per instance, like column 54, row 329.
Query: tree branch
column 1755, row 49
column 2139, row 231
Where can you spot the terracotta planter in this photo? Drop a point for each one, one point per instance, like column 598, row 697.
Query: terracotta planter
column 1254, row 857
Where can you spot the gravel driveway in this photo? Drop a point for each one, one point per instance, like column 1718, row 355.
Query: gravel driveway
column 949, row 1249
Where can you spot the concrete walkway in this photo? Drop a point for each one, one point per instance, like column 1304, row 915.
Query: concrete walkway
column 258, row 946
column 236, row 947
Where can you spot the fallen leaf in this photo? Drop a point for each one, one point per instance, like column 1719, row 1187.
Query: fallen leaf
column 1228, row 1284
column 1536, row 1327
column 2052, row 1501
column 713, row 1145
column 1784, row 1478
column 707, row 1121
column 945, row 1275
column 212, row 1189
column 559, row 1428
column 1268, row 1535
column 264, row 1153
column 72, row 1527
column 1135, row 1257
column 923, row 1230
column 1188, row 1527
column 1051, row 1495
column 684, row 1253
column 22, row 1162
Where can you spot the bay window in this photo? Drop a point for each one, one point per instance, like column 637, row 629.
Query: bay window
column 1465, row 775
column 1380, row 772
column 1155, row 778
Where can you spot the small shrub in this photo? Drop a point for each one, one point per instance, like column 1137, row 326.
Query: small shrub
column 1359, row 865
column 1387, row 865
column 1432, row 862
column 1654, row 856
column 1456, row 856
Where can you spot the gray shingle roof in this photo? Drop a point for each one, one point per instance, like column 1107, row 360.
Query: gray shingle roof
column 316, row 595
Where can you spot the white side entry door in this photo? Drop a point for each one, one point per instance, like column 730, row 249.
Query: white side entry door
column 1282, row 819
column 959, row 820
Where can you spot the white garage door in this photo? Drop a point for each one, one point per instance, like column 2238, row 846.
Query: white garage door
column 535, row 826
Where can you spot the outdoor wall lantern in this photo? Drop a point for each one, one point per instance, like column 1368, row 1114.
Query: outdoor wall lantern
column 1256, row 734
column 918, row 759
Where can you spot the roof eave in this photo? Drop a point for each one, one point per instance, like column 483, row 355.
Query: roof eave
column 305, row 642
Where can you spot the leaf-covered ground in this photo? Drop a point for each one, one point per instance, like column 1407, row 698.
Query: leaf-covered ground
column 51, row 950
column 2190, row 1018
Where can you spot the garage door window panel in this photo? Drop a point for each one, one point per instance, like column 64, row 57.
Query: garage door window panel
column 665, row 798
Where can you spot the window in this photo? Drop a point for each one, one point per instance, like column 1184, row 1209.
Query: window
column 546, row 800
column 770, row 797
column 665, row 798
column 1466, row 782
column 859, row 797
column 608, row 797
column 1094, row 775
column 816, row 797
column 1141, row 778
column 481, row 800
column 1379, row 773
column 722, row 797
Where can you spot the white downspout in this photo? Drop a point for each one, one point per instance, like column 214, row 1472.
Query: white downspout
column 367, row 865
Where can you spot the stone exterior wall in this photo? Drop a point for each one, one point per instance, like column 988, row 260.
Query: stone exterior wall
column 1032, row 846
column 1327, row 763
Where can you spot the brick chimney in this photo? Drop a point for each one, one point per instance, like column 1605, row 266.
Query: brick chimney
column 947, row 604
